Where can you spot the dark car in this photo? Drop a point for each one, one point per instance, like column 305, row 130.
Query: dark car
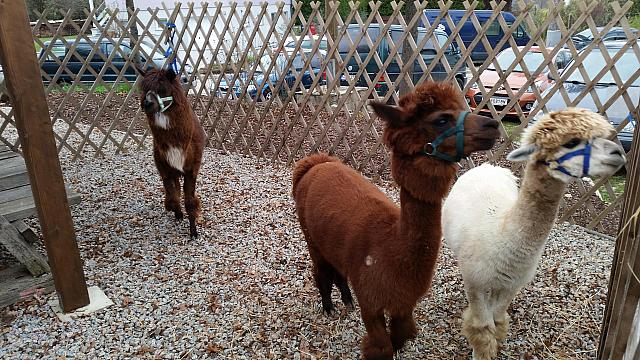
column 51, row 65
column 264, row 82
column 585, row 37
column 384, row 51
column 468, row 33
column 605, row 89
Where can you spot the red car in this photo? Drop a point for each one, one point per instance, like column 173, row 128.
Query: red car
column 516, row 79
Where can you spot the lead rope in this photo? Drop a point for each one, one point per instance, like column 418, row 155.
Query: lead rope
column 172, row 30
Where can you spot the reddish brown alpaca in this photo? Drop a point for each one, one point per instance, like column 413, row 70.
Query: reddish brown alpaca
column 178, row 141
column 355, row 232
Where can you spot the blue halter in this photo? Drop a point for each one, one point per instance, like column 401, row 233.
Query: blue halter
column 172, row 30
column 586, row 152
column 458, row 130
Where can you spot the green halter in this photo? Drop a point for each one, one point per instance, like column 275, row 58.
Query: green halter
column 458, row 130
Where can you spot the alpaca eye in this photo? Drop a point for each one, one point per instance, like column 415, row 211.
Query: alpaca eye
column 572, row 143
column 442, row 121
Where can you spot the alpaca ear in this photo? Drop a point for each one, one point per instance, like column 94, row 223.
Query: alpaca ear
column 522, row 153
column 170, row 74
column 392, row 115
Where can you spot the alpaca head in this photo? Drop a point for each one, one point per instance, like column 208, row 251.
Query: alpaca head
column 161, row 91
column 431, row 125
column 573, row 143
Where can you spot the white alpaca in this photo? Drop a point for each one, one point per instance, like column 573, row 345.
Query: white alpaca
column 498, row 234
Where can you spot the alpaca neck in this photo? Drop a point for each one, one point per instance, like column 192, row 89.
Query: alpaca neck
column 419, row 226
column 423, row 186
column 535, row 211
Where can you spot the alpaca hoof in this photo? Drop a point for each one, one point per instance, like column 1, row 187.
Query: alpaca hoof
column 482, row 355
column 372, row 351
column 400, row 336
column 349, row 306
column 483, row 342
column 179, row 215
column 194, row 235
column 328, row 311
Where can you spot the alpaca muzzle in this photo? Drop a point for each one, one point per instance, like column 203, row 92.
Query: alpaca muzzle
column 163, row 102
column 586, row 158
column 458, row 131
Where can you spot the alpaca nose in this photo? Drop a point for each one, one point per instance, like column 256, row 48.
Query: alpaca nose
column 616, row 152
column 490, row 123
column 148, row 105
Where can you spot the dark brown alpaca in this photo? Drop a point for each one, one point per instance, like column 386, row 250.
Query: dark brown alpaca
column 355, row 232
column 178, row 141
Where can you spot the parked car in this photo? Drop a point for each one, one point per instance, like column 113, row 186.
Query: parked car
column 59, row 50
column 428, row 54
column 468, row 32
column 575, row 84
column 307, row 43
column 515, row 79
column 585, row 37
column 279, row 70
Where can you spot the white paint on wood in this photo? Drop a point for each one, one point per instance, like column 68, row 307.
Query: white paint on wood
column 97, row 301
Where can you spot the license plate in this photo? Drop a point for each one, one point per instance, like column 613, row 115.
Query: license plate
column 499, row 101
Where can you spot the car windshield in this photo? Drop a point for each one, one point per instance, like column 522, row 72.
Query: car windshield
column 587, row 34
column 508, row 57
column 265, row 61
column 595, row 62
column 308, row 44
column 442, row 39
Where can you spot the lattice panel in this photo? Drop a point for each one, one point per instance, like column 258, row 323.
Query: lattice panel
column 314, row 92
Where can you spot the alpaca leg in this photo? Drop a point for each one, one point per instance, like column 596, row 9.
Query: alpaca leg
column 478, row 326
column 191, row 202
column 324, row 281
column 501, row 300
column 172, row 195
column 403, row 328
column 343, row 286
column 376, row 343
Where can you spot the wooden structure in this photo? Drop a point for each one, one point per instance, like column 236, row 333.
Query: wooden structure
column 16, row 202
column 37, row 142
column 620, row 336
column 328, row 113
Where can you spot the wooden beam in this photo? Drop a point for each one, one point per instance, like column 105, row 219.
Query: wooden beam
column 16, row 284
column 624, row 290
column 21, row 208
column 11, row 239
column 22, row 74
column 27, row 233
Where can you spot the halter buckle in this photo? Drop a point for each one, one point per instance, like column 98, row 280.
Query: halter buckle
column 458, row 131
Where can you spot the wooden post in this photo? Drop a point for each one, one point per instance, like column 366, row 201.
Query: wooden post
column 407, row 50
column 332, row 31
column 624, row 290
column 22, row 73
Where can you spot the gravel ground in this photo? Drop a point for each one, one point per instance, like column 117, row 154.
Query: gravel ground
column 244, row 289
